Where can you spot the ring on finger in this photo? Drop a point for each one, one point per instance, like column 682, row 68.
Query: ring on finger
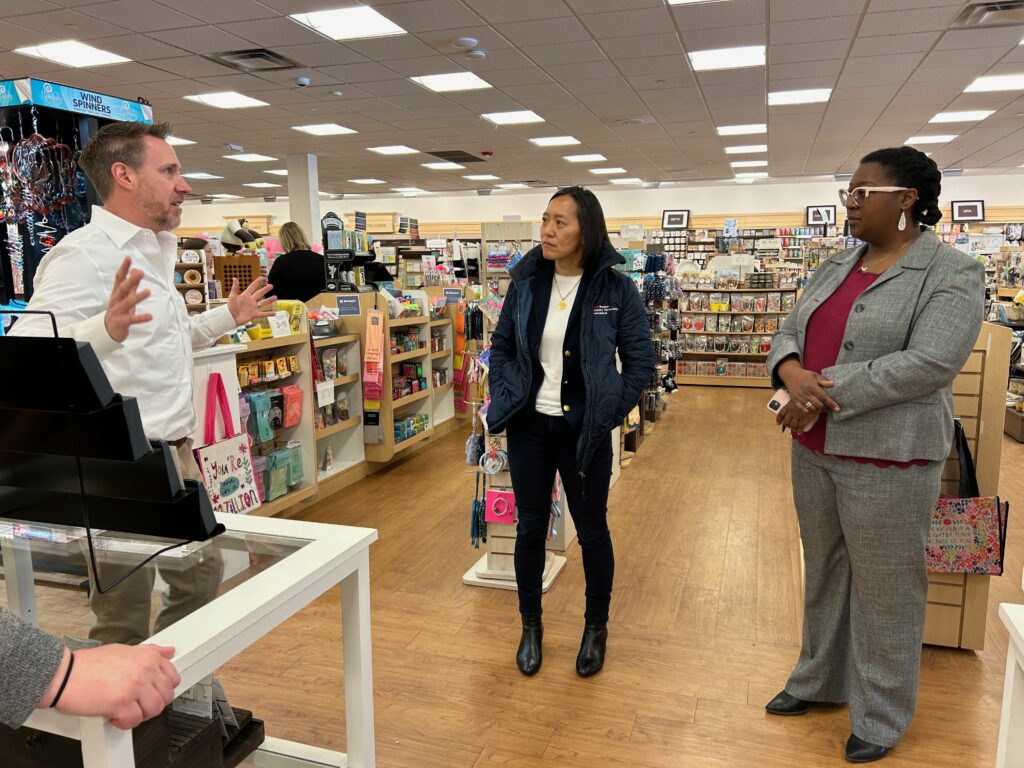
column 808, row 405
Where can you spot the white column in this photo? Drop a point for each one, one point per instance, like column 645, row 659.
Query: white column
column 304, row 194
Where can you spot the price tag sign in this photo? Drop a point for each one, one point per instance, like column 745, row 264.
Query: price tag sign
column 348, row 306
column 452, row 295
column 279, row 325
column 324, row 393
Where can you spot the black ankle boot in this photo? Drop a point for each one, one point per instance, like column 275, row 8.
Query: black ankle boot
column 591, row 656
column 529, row 656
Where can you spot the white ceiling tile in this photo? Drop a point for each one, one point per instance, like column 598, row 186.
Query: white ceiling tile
column 527, row 76
column 85, row 27
column 657, row 65
column 804, row 52
column 427, row 65
column 828, row 68
column 881, row 46
column 359, row 73
column 428, row 15
column 488, row 38
column 797, row 10
column 603, row 85
column 724, row 37
column 546, row 32
column 629, row 23
column 502, row 11
column 897, row 62
column 565, row 53
column 720, row 15
column 970, row 39
column 883, row 77
column 271, row 32
column 835, row 28
column 901, row 22
column 139, row 15
column 642, row 46
column 11, row 8
column 592, row 70
column 506, row 58
column 133, row 72
column 658, row 81
column 202, row 39
column 221, row 10
column 190, row 66
column 16, row 37
column 602, row 6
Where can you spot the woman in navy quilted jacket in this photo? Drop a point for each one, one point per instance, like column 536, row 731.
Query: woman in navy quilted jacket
column 557, row 389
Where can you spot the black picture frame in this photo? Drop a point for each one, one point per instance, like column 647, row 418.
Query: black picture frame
column 675, row 219
column 967, row 210
column 821, row 215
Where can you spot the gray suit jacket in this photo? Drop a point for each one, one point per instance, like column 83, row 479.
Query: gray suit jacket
column 29, row 658
column 907, row 337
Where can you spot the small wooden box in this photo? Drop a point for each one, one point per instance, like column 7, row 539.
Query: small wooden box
column 1014, row 425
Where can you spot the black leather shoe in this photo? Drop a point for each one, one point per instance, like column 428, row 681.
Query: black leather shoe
column 529, row 656
column 860, row 751
column 591, row 656
column 784, row 704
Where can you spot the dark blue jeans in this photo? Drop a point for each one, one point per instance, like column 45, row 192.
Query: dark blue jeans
column 537, row 446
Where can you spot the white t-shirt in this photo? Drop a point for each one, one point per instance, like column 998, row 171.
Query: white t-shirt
column 552, row 343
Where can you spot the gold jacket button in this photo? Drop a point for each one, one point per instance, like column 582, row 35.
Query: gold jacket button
column 565, row 407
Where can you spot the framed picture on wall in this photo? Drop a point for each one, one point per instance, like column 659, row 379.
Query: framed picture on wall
column 821, row 215
column 675, row 219
column 968, row 210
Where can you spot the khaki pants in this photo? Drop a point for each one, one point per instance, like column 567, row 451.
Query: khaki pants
column 123, row 613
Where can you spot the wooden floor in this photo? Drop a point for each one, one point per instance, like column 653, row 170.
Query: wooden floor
column 704, row 628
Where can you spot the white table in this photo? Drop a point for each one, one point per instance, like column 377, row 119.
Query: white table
column 1010, row 752
column 213, row 634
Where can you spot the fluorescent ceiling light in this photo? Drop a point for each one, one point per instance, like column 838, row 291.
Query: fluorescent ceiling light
column 691, row 2
column 750, row 164
column 443, row 166
column 201, row 175
column 631, row 180
column 585, row 158
column 278, row 172
column 996, row 83
column 72, row 53
column 727, row 58
column 456, row 81
column 250, row 157
column 226, row 196
column 367, row 181
column 226, row 100
column 358, row 23
column 753, row 175
column 806, row 96
column 520, row 117
column 394, row 149
column 323, row 129
column 261, row 185
column 742, row 130
column 409, row 190
column 744, row 181
column 512, row 186
column 746, row 149
column 967, row 116
column 555, row 141
column 174, row 141
column 607, row 171
column 943, row 139
column 482, row 177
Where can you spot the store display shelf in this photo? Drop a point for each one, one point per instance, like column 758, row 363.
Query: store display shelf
column 409, row 399
column 726, row 333
column 341, row 426
column 405, row 444
column 422, row 352
column 728, row 354
column 342, row 380
column 438, row 391
column 726, row 381
column 405, row 321
column 731, row 312
column 281, row 341
column 183, row 266
column 339, row 469
column 739, row 290
column 189, row 286
column 331, row 341
column 273, row 382
column 271, row 508
column 439, row 323
column 195, row 306
column 439, row 355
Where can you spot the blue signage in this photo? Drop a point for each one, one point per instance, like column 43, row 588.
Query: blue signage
column 348, row 306
column 9, row 93
column 452, row 295
column 84, row 102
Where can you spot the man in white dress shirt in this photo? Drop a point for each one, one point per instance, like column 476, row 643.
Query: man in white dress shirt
column 140, row 330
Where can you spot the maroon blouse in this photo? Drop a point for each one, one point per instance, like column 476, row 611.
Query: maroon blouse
column 824, row 339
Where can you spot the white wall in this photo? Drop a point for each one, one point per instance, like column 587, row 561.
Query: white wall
column 712, row 199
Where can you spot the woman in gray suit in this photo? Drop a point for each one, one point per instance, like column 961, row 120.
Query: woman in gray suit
column 868, row 356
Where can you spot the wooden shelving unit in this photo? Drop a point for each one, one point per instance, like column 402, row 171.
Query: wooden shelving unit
column 339, row 427
column 343, row 440
column 333, row 341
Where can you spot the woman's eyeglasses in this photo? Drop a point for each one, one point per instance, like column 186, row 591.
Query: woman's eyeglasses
column 856, row 197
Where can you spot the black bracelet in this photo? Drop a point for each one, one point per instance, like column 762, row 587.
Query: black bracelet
column 67, row 676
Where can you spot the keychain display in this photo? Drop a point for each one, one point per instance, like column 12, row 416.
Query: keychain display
column 493, row 461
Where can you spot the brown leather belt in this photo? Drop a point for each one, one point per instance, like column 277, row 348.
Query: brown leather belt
column 179, row 442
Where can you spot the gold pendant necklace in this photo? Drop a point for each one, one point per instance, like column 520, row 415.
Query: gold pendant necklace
column 864, row 267
column 562, row 303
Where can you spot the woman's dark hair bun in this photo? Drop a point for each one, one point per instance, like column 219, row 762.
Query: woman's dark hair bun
column 910, row 167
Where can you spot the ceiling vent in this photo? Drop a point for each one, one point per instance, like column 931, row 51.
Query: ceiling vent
column 953, row 172
column 843, row 176
column 534, row 182
column 253, row 60
column 483, row 192
column 989, row 14
column 630, row 121
column 456, row 156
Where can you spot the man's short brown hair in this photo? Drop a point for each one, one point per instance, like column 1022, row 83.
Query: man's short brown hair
column 117, row 143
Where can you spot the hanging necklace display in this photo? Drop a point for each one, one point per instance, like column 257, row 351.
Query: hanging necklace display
column 9, row 214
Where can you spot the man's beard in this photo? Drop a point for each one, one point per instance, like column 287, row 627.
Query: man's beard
column 164, row 218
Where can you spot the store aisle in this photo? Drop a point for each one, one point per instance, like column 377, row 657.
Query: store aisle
column 705, row 623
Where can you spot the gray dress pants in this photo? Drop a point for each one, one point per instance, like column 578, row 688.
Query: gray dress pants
column 864, row 531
